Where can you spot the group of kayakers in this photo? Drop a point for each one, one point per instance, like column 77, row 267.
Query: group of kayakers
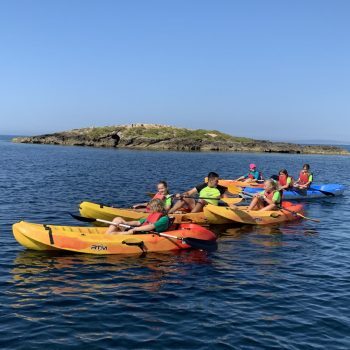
column 210, row 192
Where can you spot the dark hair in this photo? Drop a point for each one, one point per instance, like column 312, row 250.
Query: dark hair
column 284, row 171
column 307, row 166
column 162, row 182
column 212, row 175
column 274, row 177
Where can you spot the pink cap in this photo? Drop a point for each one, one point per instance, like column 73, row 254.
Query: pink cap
column 252, row 166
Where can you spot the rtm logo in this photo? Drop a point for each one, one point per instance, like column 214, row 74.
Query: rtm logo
column 98, row 247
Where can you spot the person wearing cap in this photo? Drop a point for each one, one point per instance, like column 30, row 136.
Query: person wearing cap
column 252, row 175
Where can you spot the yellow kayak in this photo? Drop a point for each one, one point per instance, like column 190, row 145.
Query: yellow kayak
column 94, row 240
column 255, row 217
column 100, row 211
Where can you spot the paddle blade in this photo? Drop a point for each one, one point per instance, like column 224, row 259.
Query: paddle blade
column 326, row 193
column 201, row 244
column 82, row 218
column 232, row 200
column 234, row 189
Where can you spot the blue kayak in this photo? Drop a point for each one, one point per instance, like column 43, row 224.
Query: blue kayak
column 315, row 191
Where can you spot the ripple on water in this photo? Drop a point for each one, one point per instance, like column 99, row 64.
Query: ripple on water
column 280, row 287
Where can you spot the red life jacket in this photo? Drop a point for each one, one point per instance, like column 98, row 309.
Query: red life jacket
column 282, row 180
column 152, row 218
column 269, row 196
column 303, row 178
column 159, row 196
column 250, row 176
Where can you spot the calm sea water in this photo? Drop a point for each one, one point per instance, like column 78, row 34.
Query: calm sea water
column 284, row 287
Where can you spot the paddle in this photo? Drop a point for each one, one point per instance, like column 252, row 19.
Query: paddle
column 234, row 189
column 196, row 243
column 326, row 193
column 225, row 200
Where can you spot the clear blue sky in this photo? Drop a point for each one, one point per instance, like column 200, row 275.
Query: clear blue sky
column 263, row 69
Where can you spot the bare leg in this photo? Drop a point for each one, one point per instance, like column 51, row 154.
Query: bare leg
column 256, row 204
column 113, row 228
column 198, row 207
column 179, row 204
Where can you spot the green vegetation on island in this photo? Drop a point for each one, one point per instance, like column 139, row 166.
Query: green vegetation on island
column 164, row 137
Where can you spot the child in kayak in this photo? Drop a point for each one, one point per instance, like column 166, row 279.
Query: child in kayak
column 285, row 182
column 252, row 175
column 162, row 193
column 305, row 178
column 157, row 220
column 269, row 199
column 211, row 191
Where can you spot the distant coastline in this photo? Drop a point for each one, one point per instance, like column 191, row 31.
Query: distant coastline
column 165, row 137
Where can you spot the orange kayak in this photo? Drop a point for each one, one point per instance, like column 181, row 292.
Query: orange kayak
column 93, row 240
column 243, row 184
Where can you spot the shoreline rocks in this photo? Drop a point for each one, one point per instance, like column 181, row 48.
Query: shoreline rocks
column 169, row 138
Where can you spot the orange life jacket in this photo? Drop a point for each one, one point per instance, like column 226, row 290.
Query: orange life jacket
column 251, row 176
column 152, row 218
column 282, row 180
column 303, row 178
column 159, row 196
column 269, row 196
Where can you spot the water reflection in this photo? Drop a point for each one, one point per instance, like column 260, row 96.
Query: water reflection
column 43, row 273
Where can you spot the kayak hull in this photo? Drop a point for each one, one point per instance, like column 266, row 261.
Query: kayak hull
column 93, row 240
column 312, row 193
column 254, row 217
column 100, row 211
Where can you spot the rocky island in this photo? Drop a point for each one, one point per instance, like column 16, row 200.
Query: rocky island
column 165, row 137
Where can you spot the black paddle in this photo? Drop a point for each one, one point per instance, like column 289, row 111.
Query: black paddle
column 232, row 189
column 326, row 193
column 196, row 243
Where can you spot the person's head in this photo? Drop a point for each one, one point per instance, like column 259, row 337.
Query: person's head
column 306, row 167
column 162, row 187
column 213, row 179
column 283, row 172
column 270, row 185
column 252, row 166
column 156, row 206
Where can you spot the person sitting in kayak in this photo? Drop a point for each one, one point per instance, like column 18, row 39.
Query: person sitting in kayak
column 305, row 178
column 269, row 199
column 252, row 175
column 209, row 190
column 162, row 193
column 157, row 220
column 285, row 182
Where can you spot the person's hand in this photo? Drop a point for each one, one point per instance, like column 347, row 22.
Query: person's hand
column 178, row 196
column 129, row 232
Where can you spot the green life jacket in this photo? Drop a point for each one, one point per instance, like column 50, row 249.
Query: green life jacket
column 211, row 192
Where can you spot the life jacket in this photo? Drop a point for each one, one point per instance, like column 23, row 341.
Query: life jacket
column 269, row 196
column 153, row 218
column 304, row 178
column 251, row 176
column 211, row 192
column 159, row 196
column 282, row 180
